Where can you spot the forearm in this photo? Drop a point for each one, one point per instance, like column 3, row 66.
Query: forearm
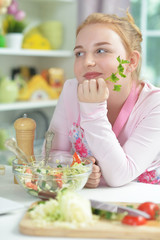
column 120, row 164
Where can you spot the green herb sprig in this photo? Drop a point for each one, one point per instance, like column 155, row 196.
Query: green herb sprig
column 59, row 166
column 120, row 70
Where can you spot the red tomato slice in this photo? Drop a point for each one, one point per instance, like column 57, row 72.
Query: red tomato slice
column 31, row 185
column 76, row 159
column 28, row 170
column 151, row 208
column 134, row 220
column 59, row 179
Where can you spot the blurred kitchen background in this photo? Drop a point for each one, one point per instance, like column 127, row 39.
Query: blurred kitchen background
column 36, row 54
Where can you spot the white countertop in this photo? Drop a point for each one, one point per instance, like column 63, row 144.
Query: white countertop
column 133, row 192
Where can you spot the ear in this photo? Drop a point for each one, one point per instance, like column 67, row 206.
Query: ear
column 134, row 60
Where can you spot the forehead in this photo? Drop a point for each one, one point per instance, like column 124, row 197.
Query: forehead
column 97, row 32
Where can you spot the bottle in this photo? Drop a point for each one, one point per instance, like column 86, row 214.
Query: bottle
column 25, row 134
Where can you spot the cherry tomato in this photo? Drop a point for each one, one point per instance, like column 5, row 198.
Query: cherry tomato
column 151, row 208
column 134, row 220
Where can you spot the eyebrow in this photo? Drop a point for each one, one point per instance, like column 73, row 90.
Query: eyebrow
column 96, row 44
column 79, row 46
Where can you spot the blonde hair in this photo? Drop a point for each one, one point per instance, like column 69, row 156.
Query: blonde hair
column 125, row 27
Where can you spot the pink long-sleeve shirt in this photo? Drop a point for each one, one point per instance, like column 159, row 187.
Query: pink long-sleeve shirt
column 121, row 158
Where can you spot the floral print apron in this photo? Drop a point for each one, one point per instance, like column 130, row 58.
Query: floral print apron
column 152, row 177
column 80, row 145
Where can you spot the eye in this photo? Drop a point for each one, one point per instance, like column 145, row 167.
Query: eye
column 101, row 50
column 79, row 54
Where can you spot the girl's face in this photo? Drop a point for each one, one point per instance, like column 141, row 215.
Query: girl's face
column 96, row 51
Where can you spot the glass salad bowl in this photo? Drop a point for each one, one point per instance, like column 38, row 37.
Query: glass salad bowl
column 45, row 180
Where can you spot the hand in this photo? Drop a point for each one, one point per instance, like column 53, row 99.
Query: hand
column 93, row 91
column 94, row 178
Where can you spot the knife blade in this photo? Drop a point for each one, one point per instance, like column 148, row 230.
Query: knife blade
column 117, row 208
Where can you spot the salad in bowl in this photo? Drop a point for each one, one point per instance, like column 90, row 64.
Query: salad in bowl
column 61, row 172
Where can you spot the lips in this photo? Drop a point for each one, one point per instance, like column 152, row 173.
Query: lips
column 91, row 75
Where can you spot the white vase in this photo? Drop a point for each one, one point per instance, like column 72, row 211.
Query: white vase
column 14, row 40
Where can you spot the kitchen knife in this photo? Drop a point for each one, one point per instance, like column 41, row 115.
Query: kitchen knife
column 117, row 208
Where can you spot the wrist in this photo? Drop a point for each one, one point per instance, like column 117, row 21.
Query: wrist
column 93, row 109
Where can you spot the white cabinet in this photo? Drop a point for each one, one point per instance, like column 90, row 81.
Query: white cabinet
column 38, row 11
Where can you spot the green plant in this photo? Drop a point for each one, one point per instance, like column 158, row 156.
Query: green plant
column 120, row 70
column 11, row 25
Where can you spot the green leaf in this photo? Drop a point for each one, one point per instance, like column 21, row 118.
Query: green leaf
column 43, row 184
column 122, row 75
column 130, row 206
column 31, row 209
column 41, row 202
column 120, row 70
column 114, row 78
column 124, row 61
column 118, row 59
column 108, row 215
column 117, row 88
column 96, row 211
column 59, row 166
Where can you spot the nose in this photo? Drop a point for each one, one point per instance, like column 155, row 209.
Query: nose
column 90, row 60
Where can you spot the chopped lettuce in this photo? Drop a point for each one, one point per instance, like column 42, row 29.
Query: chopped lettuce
column 69, row 207
column 74, row 208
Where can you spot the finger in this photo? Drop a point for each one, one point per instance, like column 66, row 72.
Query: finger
column 86, row 89
column 96, row 168
column 93, row 88
column 92, row 159
column 101, row 82
column 96, row 175
column 101, row 85
column 93, row 184
column 102, row 88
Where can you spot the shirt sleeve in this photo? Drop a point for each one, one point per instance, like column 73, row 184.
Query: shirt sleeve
column 59, row 125
column 121, row 164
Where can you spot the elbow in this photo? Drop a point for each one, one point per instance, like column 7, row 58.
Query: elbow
column 115, row 178
column 115, row 182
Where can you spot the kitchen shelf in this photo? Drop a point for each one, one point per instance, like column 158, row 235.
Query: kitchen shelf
column 36, row 53
column 39, row 11
column 27, row 105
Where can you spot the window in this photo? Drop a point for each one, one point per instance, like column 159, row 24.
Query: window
column 146, row 14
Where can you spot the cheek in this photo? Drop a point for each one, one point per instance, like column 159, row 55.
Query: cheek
column 77, row 69
column 109, row 67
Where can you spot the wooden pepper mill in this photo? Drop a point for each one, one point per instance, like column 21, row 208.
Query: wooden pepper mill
column 25, row 133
